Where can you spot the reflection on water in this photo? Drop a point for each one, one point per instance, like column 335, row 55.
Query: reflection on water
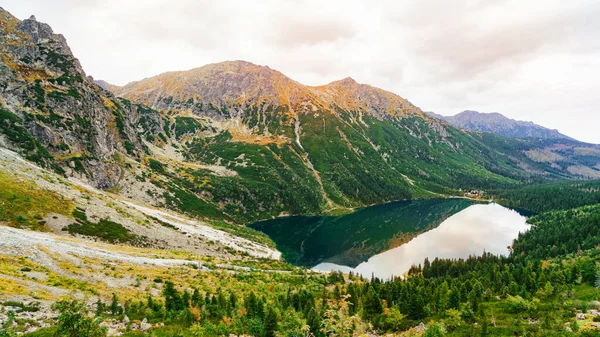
column 479, row 228
column 353, row 238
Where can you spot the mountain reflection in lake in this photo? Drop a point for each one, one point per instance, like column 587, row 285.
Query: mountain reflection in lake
column 353, row 238
column 489, row 227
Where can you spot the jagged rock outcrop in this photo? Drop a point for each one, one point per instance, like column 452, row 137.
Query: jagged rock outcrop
column 71, row 119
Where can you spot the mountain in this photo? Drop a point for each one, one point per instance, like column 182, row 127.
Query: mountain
column 53, row 114
column 238, row 142
column 500, row 125
column 106, row 86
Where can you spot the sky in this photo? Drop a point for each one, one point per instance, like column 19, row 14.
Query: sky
column 529, row 60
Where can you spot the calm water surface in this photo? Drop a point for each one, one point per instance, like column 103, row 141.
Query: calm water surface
column 385, row 240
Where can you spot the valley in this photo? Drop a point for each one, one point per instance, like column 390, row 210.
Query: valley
column 223, row 200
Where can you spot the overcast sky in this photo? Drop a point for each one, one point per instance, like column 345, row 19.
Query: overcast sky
column 529, row 60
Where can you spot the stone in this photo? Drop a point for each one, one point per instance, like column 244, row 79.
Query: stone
column 145, row 326
column 126, row 320
column 420, row 328
column 580, row 316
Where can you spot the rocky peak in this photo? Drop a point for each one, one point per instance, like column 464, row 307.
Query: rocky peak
column 348, row 81
column 42, row 33
column 353, row 96
column 64, row 119
column 230, row 85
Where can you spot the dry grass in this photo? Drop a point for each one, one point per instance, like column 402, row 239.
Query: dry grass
column 23, row 204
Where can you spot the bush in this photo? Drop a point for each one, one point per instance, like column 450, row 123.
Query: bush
column 435, row 330
column 73, row 320
column 516, row 304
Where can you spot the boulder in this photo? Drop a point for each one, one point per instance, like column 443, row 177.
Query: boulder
column 420, row 328
column 145, row 326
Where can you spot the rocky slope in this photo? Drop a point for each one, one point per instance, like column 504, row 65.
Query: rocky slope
column 499, row 124
column 54, row 114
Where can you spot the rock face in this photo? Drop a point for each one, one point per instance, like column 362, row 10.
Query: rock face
column 500, row 125
column 44, row 90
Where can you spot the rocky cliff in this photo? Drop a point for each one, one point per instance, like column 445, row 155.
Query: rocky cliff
column 55, row 114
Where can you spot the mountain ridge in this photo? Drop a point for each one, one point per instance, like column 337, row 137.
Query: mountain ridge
column 237, row 142
column 499, row 124
column 241, row 83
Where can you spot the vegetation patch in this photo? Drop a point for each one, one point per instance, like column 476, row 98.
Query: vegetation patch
column 186, row 125
column 104, row 229
column 22, row 204
column 12, row 127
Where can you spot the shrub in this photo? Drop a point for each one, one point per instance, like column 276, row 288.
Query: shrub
column 73, row 321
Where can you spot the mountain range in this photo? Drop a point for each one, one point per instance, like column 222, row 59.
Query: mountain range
column 499, row 124
column 238, row 142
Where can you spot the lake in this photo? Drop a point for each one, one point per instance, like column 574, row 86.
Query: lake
column 385, row 240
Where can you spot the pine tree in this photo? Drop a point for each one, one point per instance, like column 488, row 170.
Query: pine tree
column 114, row 306
column 173, row 301
column 372, row 304
column 100, row 307
column 416, row 308
column 270, row 325
column 454, row 301
column 196, row 298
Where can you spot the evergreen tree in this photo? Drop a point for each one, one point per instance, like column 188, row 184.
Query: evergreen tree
column 372, row 304
column 454, row 300
column 196, row 298
column 114, row 306
column 416, row 308
column 270, row 325
column 173, row 301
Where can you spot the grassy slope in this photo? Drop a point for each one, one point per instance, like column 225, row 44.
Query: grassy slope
column 22, row 204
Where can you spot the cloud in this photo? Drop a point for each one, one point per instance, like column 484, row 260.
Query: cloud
column 530, row 60
column 295, row 32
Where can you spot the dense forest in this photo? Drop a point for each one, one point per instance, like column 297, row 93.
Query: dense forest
column 551, row 275
column 560, row 195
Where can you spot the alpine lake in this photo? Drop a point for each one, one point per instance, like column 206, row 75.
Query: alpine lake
column 386, row 240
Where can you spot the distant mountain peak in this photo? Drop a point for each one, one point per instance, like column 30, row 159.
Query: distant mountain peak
column 347, row 81
column 497, row 123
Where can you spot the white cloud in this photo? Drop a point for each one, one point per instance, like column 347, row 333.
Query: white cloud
column 530, row 60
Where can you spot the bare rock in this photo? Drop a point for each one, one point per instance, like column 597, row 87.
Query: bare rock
column 145, row 326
